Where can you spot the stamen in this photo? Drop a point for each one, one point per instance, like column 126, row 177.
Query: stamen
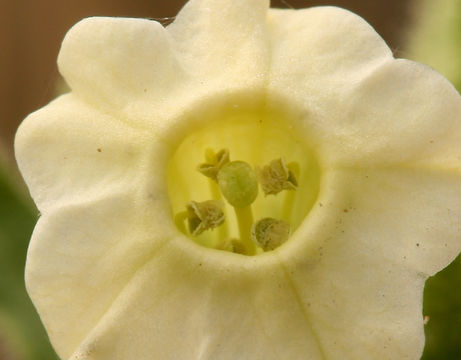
column 215, row 161
column 237, row 182
column 237, row 247
column 245, row 221
column 232, row 245
column 290, row 196
column 276, row 176
column 270, row 233
column 179, row 220
column 204, row 215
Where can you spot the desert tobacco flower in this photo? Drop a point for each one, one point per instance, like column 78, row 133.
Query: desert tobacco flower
column 331, row 265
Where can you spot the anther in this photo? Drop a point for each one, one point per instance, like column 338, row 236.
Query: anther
column 214, row 163
column 270, row 233
column 204, row 215
column 276, row 176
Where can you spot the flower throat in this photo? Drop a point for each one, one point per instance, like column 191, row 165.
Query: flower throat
column 249, row 196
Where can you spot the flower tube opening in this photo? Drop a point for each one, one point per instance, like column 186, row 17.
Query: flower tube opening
column 258, row 138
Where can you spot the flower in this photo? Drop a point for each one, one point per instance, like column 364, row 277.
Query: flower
column 373, row 141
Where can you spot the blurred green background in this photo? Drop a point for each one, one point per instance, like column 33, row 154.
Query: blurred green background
column 30, row 33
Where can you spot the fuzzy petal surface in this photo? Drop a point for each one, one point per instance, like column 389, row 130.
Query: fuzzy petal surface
column 70, row 152
column 360, row 260
column 114, row 279
column 359, row 103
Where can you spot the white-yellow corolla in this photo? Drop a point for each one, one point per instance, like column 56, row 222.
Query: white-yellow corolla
column 137, row 255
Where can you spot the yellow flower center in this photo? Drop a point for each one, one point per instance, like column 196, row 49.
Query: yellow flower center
column 261, row 139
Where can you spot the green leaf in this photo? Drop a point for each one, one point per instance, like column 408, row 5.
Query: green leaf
column 20, row 326
column 442, row 304
column 435, row 38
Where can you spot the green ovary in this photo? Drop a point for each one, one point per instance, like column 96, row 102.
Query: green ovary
column 256, row 138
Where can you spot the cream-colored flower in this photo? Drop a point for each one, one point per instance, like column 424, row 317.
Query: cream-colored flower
column 375, row 212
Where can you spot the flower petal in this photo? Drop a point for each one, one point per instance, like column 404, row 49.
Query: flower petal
column 136, row 69
column 203, row 304
column 125, row 285
column 319, row 53
column 358, row 103
column 223, row 42
column 360, row 260
column 74, row 272
column 111, row 61
column 403, row 112
column 71, row 153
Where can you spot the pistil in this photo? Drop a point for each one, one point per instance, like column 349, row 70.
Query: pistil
column 239, row 186
column 245, row 221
